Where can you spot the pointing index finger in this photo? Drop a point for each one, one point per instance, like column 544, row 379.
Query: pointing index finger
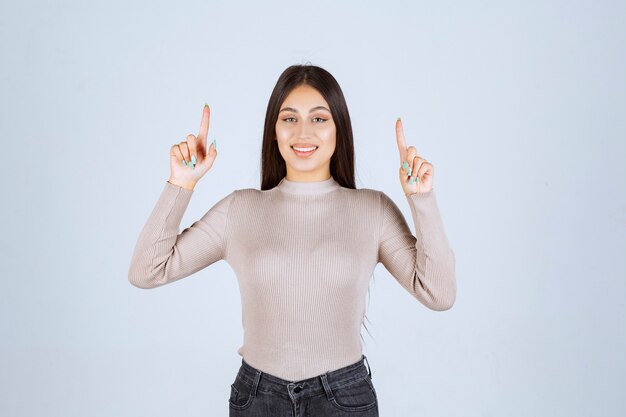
column 400, row 140
column 204, row 125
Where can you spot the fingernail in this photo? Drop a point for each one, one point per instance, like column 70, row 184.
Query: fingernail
column 184, row 162
column 193, row 159
column 410, row 170
column 398, row 118
column 206, row 105
column 417, row 179
column 405, row 165
column 411, row 180
column 215, row 144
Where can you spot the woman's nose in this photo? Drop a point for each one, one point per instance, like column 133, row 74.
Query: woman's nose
column 303, row 131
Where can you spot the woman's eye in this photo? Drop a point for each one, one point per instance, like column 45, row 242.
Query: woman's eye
column 293, row 118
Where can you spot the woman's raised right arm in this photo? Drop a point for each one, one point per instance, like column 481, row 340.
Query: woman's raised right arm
column 163, row 255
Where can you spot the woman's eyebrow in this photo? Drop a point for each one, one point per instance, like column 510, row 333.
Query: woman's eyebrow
column 310, row 111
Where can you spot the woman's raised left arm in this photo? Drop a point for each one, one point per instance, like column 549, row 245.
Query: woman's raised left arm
column 424, row 264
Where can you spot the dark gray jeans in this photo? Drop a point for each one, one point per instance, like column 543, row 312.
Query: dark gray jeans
column 346, row 391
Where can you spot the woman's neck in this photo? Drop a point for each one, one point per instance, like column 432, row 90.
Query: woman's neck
column 308, row 187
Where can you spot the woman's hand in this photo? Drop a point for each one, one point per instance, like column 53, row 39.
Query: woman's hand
column 416, row 175
column 189, row 160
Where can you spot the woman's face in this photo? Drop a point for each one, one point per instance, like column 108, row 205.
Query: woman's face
column 305, row 122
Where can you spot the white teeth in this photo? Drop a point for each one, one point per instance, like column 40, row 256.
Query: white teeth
column 304, row 149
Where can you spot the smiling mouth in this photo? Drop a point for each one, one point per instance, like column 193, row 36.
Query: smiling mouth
column 304, row 151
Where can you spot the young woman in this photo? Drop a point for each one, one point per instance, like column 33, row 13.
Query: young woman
column 303, row 248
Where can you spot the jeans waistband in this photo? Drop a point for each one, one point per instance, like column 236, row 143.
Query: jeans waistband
column 314, row 385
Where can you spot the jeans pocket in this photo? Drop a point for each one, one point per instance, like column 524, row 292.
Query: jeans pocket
column 240, row 394
column 358, row 395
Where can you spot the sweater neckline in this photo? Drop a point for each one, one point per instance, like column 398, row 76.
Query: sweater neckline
column 308, row 187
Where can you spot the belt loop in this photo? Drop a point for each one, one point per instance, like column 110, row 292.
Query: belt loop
column 369, row 369
column 326, row 385
column 255, row 384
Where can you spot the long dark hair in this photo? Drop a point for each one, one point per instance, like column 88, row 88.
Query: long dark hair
column 273, row 167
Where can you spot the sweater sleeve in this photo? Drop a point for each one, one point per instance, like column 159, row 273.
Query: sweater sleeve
column 423, row 264
column 162, row 255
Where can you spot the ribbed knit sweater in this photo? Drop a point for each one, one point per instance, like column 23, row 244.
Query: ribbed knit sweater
column 303, row 254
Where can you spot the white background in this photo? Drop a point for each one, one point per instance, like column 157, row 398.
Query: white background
column 520, row 106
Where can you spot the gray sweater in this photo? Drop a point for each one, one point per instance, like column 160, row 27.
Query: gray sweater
column 303, row 254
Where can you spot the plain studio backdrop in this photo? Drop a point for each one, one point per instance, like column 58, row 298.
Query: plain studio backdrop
column 520, row 106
